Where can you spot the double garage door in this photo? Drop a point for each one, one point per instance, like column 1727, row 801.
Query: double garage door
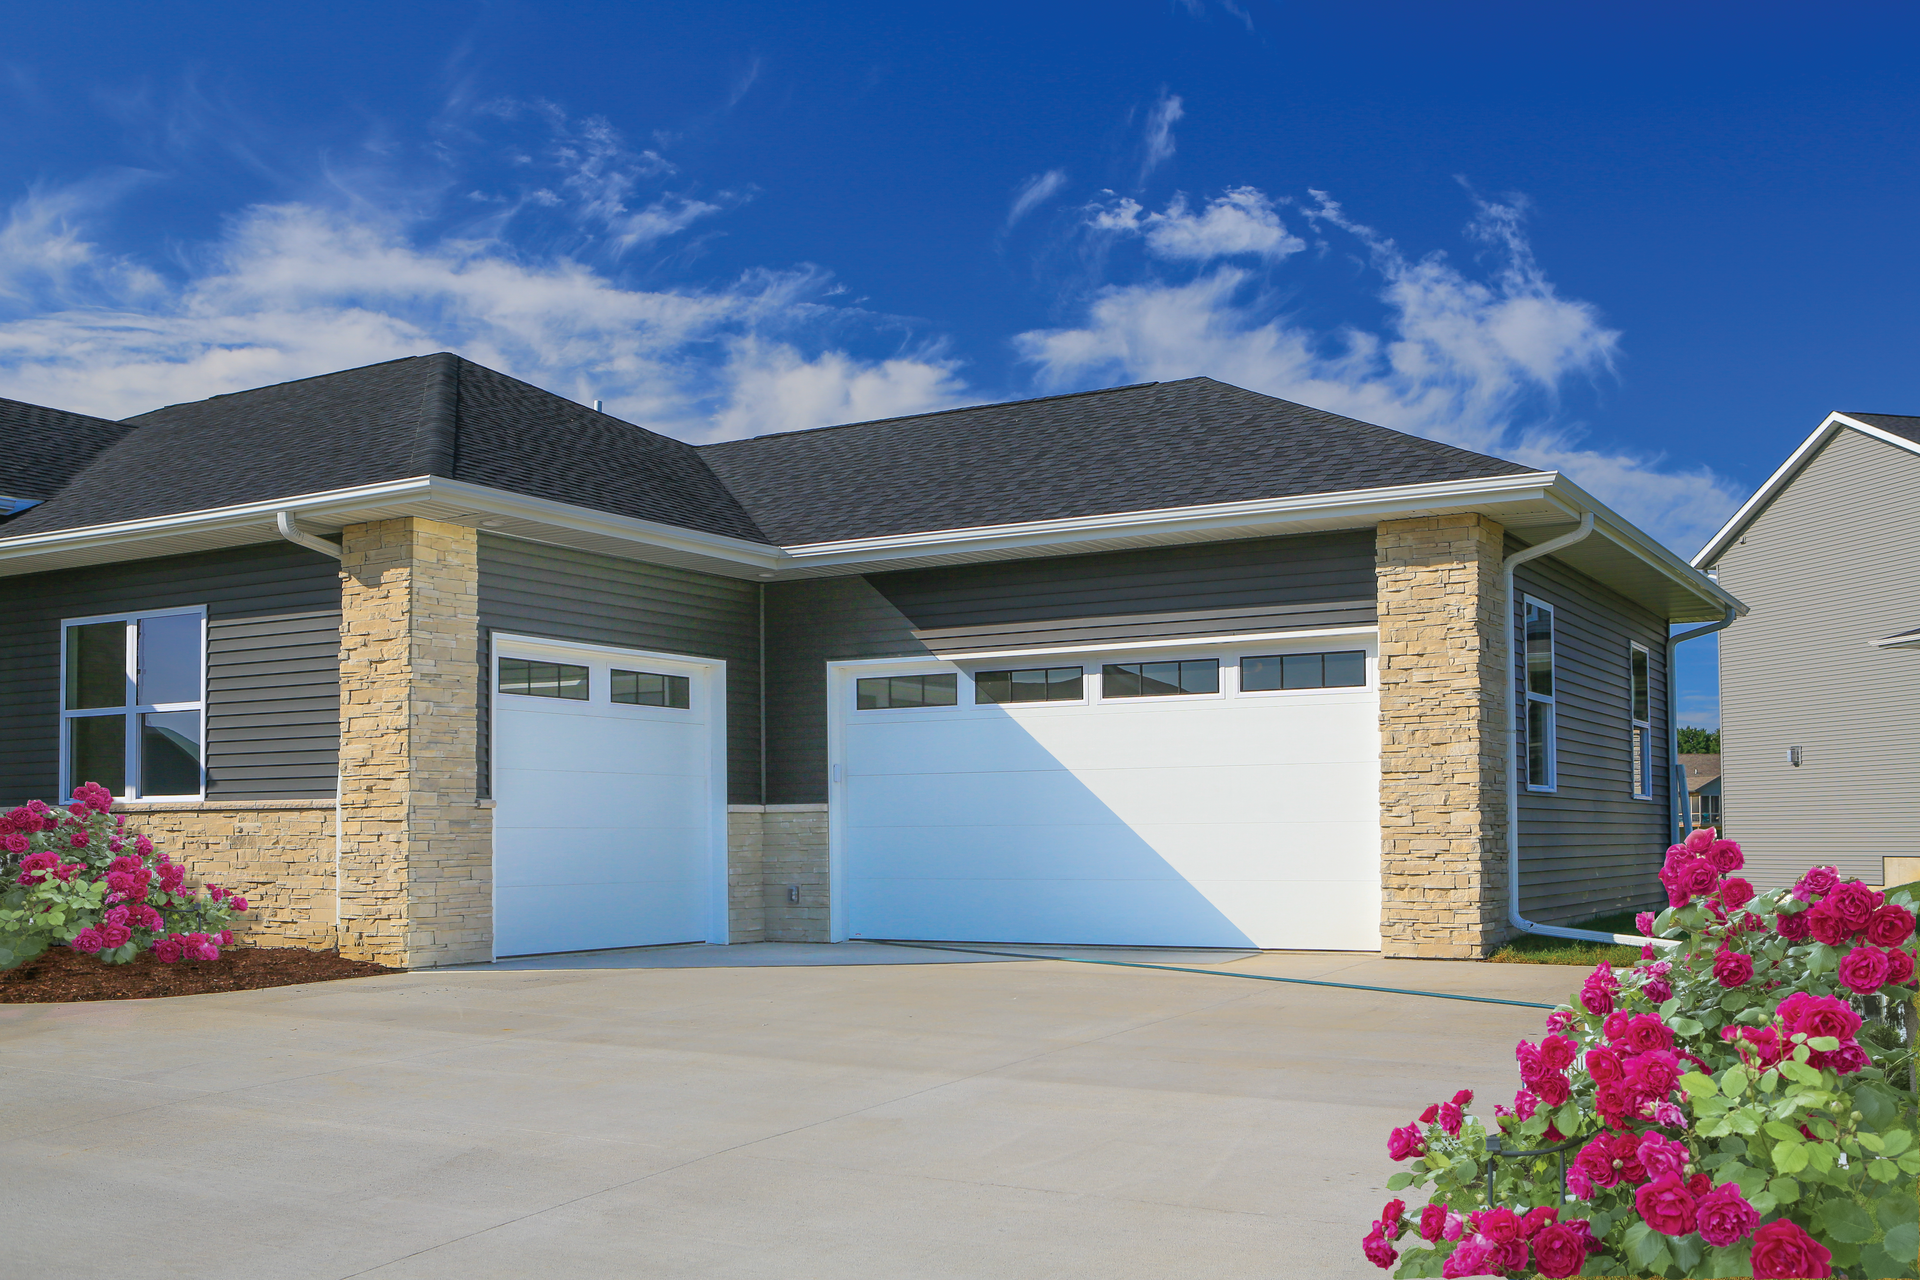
column 609, row 814
column 1223, row 795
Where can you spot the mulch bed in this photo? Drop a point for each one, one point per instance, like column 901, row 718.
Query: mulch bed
column 62, row 974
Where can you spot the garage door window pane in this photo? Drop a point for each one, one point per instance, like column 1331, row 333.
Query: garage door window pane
column 170, row 753
column 1036, row 684
column 1346, row 670
column 652, row 689
column 884, row 693
column 543, row 679
column 97, row 750
column 1160, row 679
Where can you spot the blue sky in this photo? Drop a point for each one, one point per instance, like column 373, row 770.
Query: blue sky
column 1649, row 245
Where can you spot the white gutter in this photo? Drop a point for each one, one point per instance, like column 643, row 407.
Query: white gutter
column 1680, row 809
column 1514, row 917
column 290, row 530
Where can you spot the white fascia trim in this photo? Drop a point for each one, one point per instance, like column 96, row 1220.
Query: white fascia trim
column 1784, row 474
column 1616, row 529
column 1362, row 505
column 1905, row 640
column 1184, row 642
column 343, row 502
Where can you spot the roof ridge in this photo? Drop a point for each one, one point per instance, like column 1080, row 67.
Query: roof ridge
column 935, row 413
column 436, row 440
column 312, row 377
column 1862, row 413
column 1432, row 446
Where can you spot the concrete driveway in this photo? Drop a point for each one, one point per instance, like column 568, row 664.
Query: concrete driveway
column 713, row 1115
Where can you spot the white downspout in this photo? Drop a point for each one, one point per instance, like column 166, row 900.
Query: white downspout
column 1677, row 772
column 1519, row 921
column 292, row 532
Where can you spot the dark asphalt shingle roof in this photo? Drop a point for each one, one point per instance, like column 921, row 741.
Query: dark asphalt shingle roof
column 1899, row 424
column 41, row 448
column 424, row 415
column 1137, row 448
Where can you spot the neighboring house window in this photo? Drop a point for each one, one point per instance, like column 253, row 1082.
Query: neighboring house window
column 1037, row 684
column 1639, row 678
column 133, row 711
column 1346, row 670
column 1706, row 811
column 543, row 679
column 884, row 693
column 1537, row 629
column 650, row 689
column 1159, row 679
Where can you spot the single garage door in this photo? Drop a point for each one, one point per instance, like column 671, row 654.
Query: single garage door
column 1214, row 796
column 608, row 821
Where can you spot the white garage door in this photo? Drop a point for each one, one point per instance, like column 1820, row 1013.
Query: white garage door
column 1216, row 796
column 609, row 819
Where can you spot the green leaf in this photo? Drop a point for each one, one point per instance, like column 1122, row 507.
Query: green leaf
column 1744, row 1121
column 1645, row 1249
column 1769, row 1081
column 1845, row 1220
column 1735, row 1081
column 1733, row 1001
column 1895, row 1142
column 1686, row 1027
column 1764, row 1203
column 1567, row 1118
column 1668, row 1009
column 1909, row 1162
column 1824, row 959
column 1698, row 1085
column 1882, row 1170
column 1784, row 1132
column 1876, row 1105
column 1876, row 1261
column 1819, row 1155
column 1825, row 1044
column 1790, row 1157
column 1685, row 1251
column 1399, row 1180
column 1734, row 1261
column 1785, row 1190
column 1892, row 1210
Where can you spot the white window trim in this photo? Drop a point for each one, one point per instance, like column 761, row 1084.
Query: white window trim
column 132, row 711
column 1525, row 736
column 1643, row 775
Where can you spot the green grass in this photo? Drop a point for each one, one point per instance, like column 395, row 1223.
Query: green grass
column 1534, row 948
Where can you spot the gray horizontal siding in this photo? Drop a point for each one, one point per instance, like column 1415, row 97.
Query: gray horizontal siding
column 273, row 641
column 532, row 589
column 1590, row 848
column 1829, row 566
column 1113, row 596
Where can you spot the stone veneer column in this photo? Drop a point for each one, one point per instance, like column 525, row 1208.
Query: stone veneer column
column 416, row 859
column 1442, row 743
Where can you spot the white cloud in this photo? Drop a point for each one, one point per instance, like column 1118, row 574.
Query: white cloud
column 1157, row 145
column 1475, row 362
column 1034, row 192
column 1242, row 222
column 294, row 289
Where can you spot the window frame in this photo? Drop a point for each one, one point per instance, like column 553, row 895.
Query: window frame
column 1548, row 701
column 1240, row 661
column 1079, row 700
column 1220, row 665
column 958, row 701
column 1639, row 728
column 133, row 712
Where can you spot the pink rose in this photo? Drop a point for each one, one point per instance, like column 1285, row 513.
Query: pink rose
column 1854, row 903
column 1735, row 893
column 1500, row 1225
column 1699, row 877
column 1849, row 1058
column 1667, row 1114
column 115, row 935
column 1816, row 883
column 79, row 840
column 1699, row 841
column 1658, row 990
column 1643, row 922
column 1792, row 927
column 1889, row 926
column 1899, row 967
column 1433, row 1220
column 1553, row 1088
column 1596, row 1000
column 142, row 845
column 1455, row 1228
column 1782, row 1251
column 1463, row 1097
column 1653, row 1075
column 89, row 941
column 1595, row 1164
column 1558, row 1052
column 1645, row 1032
column 1470, row 1259
column 1603, row 1065
column 1666, row 1205
column 1451, row 1120
column 1525, row 1104
column 1405, row 1143
column 1726, row 855
column 167, row 949
column 1378, row 1251
column 237, row 902
column 1825, row 924
column 1616, row 1025
column 1818, row 1016
column 15, row 844
column 1863, row 970
column 1614, row 1101
column 1431, row 1114
column 1536, row 1220
column 1660, row 1155
column 1558, row 1252
column 226, row 937
column 1732, row 969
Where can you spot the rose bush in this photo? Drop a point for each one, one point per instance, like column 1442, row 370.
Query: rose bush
column 77, row 877
column 1738, row 1104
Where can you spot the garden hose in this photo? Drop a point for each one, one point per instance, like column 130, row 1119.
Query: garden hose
column 1219, row 973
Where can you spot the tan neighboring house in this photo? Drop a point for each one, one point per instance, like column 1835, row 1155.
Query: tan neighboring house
column 1820, row 683
column 1703, row 789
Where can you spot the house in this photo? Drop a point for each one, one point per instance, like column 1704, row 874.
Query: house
column 1820, row 684
column 440, row 666
column 1703, row 789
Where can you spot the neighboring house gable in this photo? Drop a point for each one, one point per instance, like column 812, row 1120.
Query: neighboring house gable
column 1825, row 557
